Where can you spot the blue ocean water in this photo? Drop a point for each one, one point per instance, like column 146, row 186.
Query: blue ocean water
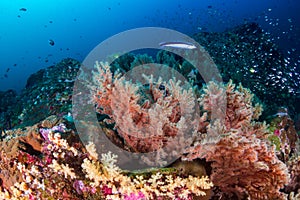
column 75, row 27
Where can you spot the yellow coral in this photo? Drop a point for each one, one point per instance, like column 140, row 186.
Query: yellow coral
column 157, row 183
column 64, row 169
column 92, row 170
column 91, row 149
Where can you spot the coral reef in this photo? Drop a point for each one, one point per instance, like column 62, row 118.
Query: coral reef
column 226, row 152
column 237, row 158
column 244, row 162
column 47, row 92
column 65, row 169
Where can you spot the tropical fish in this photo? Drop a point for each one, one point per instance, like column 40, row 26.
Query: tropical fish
column 181, row 45
column 23, row 9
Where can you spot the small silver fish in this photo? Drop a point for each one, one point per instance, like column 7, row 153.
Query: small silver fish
column 181, row 45
column 281, row 114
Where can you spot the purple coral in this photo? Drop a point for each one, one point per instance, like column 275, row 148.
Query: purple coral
column 60, row 128
column 45, row 131
column 79, row 186
column 133, row 196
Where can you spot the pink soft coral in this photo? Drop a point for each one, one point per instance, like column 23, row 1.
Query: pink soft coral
column 244, row 164
column 159, row 122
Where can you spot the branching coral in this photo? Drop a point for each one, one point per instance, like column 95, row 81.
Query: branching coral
column 48, row 176
column 68, row 171
column 117, row 185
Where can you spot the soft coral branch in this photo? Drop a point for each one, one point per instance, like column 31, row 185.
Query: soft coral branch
column 147, row 125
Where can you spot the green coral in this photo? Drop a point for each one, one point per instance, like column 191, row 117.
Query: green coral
column 275, row 140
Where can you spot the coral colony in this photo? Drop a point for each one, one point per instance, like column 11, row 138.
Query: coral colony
column 238, row 156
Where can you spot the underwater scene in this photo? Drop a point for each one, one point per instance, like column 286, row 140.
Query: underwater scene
column 150, row 100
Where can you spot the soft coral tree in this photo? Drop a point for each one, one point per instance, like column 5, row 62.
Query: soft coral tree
column 244, row 163
column 145, row 125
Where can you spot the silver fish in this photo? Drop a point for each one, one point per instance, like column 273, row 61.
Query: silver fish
column 281, row 114
column 181, row 45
